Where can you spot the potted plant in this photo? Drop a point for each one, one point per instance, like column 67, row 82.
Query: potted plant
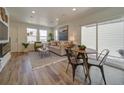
column 50, row 37
column 25, row 45
column 82, row 47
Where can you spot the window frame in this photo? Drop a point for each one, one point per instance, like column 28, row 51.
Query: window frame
column 30, row 29
column 40, row 36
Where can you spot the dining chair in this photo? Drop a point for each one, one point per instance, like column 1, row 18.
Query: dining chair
column 73, row 61
column 99, row 62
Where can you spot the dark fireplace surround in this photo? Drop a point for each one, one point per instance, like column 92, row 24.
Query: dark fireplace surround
column 4, row 49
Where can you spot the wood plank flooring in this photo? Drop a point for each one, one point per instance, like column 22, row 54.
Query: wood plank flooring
column 18, row 71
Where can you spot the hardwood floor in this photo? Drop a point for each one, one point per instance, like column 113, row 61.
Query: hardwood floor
column 19, row 71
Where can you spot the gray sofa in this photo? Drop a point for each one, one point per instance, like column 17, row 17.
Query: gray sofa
column 58, row 47
column 57, row 50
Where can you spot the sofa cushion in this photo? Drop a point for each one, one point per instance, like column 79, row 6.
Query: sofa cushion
column 56, row 47
column 53, row 43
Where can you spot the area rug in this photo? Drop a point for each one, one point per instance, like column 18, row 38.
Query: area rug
column 37, row 61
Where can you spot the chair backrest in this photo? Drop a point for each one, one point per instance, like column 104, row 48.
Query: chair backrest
column 70, row 55
column 103, row 56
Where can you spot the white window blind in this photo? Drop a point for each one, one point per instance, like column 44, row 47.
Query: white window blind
column 43, row 35
column 88, row 36
column 111, row 36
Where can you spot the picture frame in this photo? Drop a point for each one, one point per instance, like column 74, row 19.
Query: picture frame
column 63, row 33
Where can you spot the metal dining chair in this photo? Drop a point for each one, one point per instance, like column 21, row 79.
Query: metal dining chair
column 99, row 62
column 73, row 61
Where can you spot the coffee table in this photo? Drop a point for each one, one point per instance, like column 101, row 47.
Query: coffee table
column 44, row 52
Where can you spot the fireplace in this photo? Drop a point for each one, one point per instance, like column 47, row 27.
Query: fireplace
column 4, row 49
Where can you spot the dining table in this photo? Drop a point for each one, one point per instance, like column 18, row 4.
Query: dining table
column 84, row 55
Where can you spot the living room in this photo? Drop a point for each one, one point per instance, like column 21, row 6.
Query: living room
column 38, row 37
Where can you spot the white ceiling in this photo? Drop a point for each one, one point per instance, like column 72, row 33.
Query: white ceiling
column 47, row 15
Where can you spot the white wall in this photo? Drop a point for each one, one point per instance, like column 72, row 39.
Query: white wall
column 75, row 25
column 18, row 35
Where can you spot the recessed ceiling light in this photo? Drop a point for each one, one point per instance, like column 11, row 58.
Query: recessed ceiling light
column 74, row 9
column 33, row 12
column 57, row 19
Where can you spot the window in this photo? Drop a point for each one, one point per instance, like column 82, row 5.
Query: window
column 110, row 36
column 89, row 36
column 31, row 35
column 43, row 35
column 34, row 35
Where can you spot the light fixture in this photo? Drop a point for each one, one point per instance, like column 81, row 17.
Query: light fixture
column 57, row 19
column 74, row 9
column 33, row 12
